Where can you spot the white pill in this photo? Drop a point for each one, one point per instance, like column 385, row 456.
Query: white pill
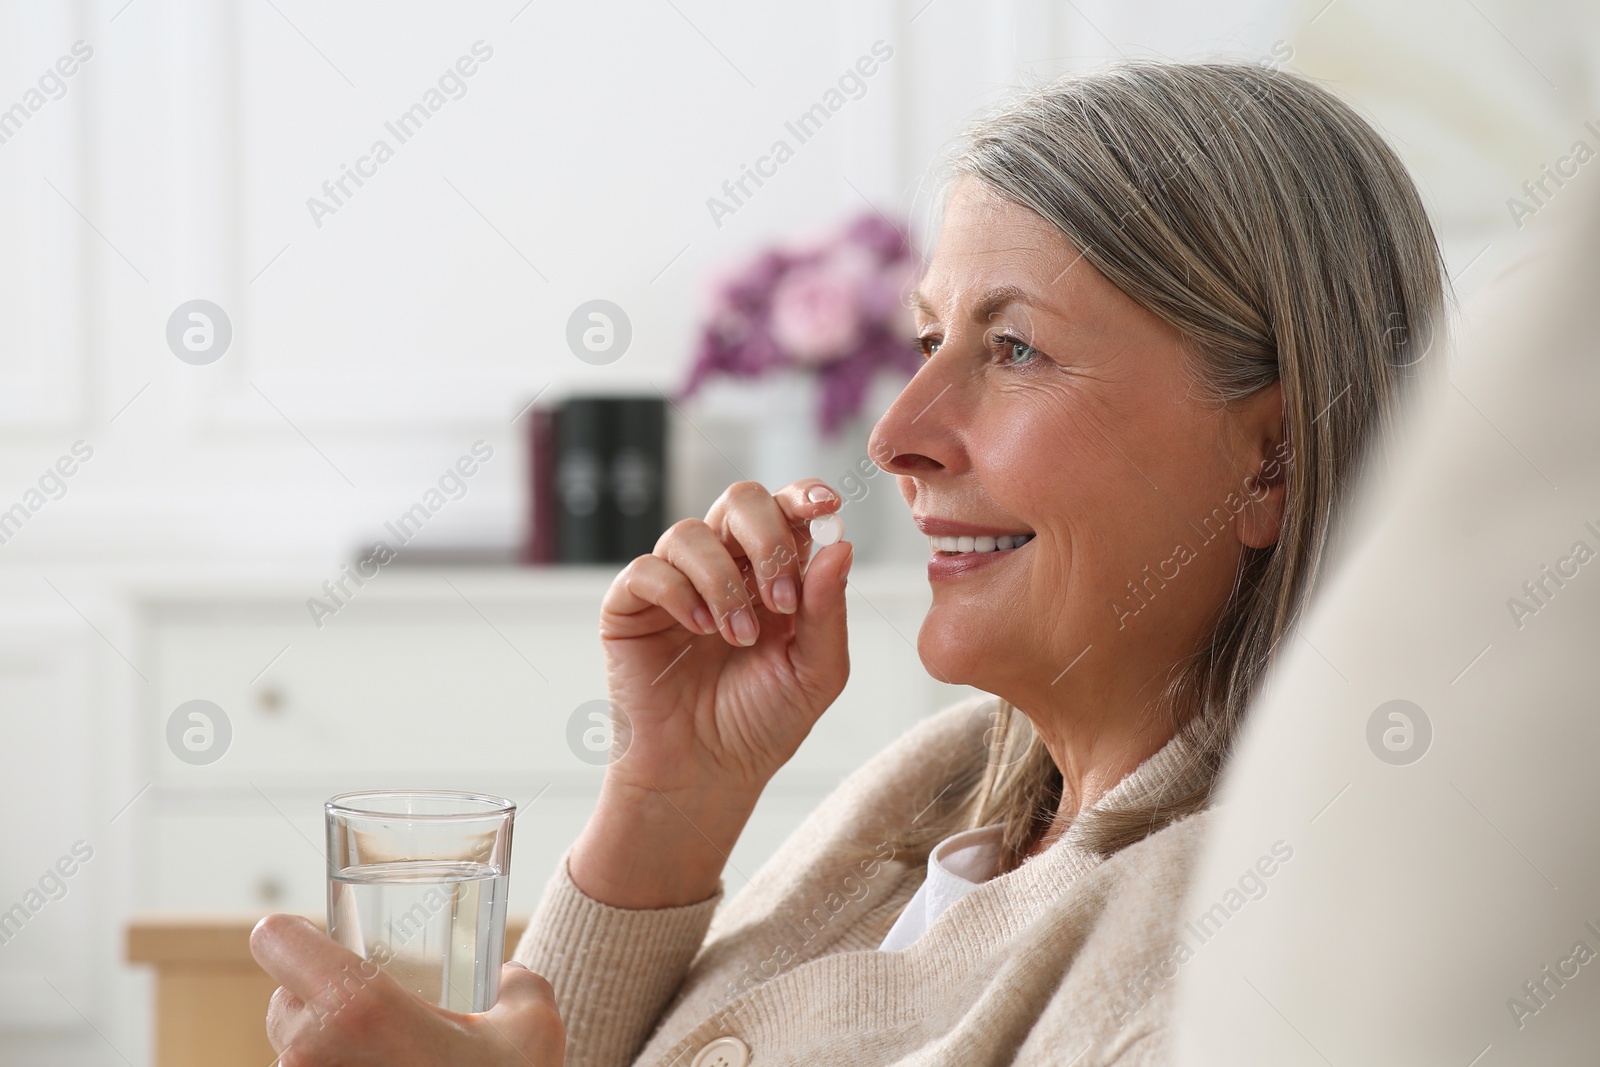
column 827, row 529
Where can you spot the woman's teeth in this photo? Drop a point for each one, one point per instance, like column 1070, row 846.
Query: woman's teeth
column 979, row 544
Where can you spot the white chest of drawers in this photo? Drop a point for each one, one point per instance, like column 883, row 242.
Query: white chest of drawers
column 460, row 679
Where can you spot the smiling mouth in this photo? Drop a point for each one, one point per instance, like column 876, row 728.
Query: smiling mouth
column 954, row 546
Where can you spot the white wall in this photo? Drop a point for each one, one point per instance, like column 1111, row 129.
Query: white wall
column 431, row 307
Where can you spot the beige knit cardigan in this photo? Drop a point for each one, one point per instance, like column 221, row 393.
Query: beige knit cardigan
column 1062, row 961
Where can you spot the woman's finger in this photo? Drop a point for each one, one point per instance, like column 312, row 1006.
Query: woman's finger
column 651, row 582
column 821, row 645
column 800, row 501
column 285, row 1018
column 771, row 531
column 807, row 498
column 307, row 962
column 526, row 1016
column 701, row 555
column 753, row 521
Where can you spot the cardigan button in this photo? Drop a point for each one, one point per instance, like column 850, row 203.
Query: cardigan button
column 723, row 1052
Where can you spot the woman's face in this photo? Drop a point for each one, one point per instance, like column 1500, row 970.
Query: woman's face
column 1055, row 411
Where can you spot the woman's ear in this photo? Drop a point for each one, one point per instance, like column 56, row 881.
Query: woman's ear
column 1260, row 522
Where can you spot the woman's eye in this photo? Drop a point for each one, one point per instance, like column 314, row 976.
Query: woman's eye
column 1019, row 352
column 1008, row 349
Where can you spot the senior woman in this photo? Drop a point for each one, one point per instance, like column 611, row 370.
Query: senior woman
column 1173, row 308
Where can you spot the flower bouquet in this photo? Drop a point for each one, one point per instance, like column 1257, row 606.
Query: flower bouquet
column 836, row 308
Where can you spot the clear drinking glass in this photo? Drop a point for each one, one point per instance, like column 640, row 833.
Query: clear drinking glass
column 417, row 884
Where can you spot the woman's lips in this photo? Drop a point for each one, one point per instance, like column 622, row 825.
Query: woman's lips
column 960, row 554
column 982, row 543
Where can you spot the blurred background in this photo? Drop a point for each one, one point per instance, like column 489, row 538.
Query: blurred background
column 346, row 348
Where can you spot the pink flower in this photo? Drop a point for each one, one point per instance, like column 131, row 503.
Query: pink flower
column 833, row 304
column 814, row 314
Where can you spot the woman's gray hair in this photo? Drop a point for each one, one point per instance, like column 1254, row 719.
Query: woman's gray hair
column 1276, row 231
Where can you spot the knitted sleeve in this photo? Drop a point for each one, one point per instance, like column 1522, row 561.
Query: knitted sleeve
column 613, row 969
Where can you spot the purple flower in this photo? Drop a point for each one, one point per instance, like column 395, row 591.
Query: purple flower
column 834, row 306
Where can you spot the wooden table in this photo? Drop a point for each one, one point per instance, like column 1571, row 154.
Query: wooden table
column 211, row 998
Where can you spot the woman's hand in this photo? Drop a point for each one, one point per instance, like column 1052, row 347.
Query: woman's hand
column 720, row 650
column 335, row 1009
column 723, row 648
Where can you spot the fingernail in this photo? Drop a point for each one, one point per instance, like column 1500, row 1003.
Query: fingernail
column 744, row 627
column 516, row 963
column 844, row 571
column 783, row 595
column 703, row 619
column 819, row 493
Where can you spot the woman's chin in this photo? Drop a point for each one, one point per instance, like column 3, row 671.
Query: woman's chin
column 959, row 652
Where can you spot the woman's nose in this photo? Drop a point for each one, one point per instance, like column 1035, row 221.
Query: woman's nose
column 918, row 434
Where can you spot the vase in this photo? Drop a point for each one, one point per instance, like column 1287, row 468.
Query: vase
column 787, row 443
column 783, row 434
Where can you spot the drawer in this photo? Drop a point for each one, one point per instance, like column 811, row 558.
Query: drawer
column 238, row 853
column 407, row 686
column 236, row 860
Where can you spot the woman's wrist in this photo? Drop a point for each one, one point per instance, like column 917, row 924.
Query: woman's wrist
column 644, row 848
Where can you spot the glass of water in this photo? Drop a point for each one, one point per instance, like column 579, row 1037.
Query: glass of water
column 417, row 884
